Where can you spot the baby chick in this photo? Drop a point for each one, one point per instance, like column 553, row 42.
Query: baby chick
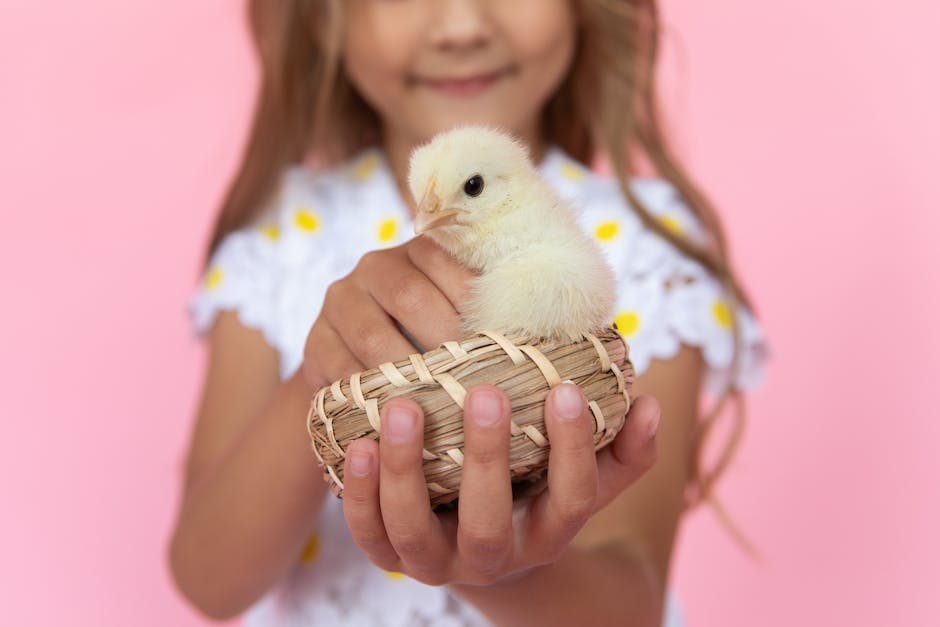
column 481, row 198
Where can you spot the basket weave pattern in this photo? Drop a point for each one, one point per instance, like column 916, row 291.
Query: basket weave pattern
column 438, row 381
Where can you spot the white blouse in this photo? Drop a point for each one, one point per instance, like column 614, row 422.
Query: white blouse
column 275, row 272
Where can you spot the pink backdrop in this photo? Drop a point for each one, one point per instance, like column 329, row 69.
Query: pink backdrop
column 811, row 123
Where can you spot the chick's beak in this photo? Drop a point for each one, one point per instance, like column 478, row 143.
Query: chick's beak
column 429, row 214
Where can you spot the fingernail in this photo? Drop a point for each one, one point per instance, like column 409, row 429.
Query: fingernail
column 654, row 426
column 401, row 425
column 568, row 401
column 360, row 464
column 484, row 407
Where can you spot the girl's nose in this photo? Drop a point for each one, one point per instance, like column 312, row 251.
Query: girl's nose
column 460, row 25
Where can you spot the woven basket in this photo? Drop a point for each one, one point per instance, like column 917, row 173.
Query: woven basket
column 438, row 381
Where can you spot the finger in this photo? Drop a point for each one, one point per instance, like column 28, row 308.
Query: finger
column 326, row 356
column 412, row 528
column 419, row 305
column 631, row 454
column 364, row 326
column 361, row 503
column 559, row 512
column 484, row 511
column 448, row 274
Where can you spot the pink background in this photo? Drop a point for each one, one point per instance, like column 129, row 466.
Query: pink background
column 812, row 124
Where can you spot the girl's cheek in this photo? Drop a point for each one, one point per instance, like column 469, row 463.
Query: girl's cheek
column 381, row 37
column 379, row 77
column 537, row 29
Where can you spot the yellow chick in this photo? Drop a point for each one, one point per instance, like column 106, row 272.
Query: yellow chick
column 481, row 198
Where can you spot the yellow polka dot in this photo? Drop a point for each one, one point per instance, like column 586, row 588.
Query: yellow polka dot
column 366, row 167
column 394, row 576
column 388, row 229
column 722, row 313
column 672, row 223
column 572, row 172
column 214, row 278
column 271, row 231
column 607, row 231
column 310, row 550
column 627, row 322
column 306, row 220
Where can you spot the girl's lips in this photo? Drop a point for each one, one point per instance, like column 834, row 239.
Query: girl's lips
column 463, row 87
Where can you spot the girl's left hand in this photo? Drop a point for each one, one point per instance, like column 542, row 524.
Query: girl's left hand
column 490, row 536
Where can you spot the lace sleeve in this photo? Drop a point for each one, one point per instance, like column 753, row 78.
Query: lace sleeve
column 664, row 298
column 240, row 277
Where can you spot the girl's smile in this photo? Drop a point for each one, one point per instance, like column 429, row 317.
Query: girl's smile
column 466, row 86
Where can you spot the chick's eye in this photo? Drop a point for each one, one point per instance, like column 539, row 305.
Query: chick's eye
column 473, row 186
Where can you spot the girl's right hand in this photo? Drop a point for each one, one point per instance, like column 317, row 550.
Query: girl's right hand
column 418, row 284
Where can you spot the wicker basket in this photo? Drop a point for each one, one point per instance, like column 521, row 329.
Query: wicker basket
column 438, row 380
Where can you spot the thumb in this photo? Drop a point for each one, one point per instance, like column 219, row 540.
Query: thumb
column 631, row 454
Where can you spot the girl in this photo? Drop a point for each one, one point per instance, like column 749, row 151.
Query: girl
column 311, row 276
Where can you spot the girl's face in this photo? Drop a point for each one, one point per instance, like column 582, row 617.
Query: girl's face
column 428, row 65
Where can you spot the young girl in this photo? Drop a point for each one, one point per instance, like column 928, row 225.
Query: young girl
column 312, row 275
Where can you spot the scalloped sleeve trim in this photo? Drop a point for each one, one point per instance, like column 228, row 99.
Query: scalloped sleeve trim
column 240, row 277
column 665, row 299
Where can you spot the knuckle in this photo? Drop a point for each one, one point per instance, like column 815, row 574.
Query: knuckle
column 634, row 463
column 333, row 299
column 371, row 541
column 436, row 255
column 430, row 577
column 574, row 511
column 398, row 462
column 487, row 551
column 333, row 290
column 367, row 261
column 420, row 249
column 487, row 542
column 371, row 341
column 388, row 564
column 486, row 455
column 410, row 294
column 411, row 546
column 330, row 292
column 579, row 444
column 357, row 498
column 398, row 467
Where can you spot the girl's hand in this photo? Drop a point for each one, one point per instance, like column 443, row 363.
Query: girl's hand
column 489, row 537
column 418, row 284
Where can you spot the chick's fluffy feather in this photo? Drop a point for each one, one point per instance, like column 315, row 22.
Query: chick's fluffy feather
column 540, row 274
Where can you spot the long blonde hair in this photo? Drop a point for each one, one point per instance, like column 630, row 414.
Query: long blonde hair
column 606, row 105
